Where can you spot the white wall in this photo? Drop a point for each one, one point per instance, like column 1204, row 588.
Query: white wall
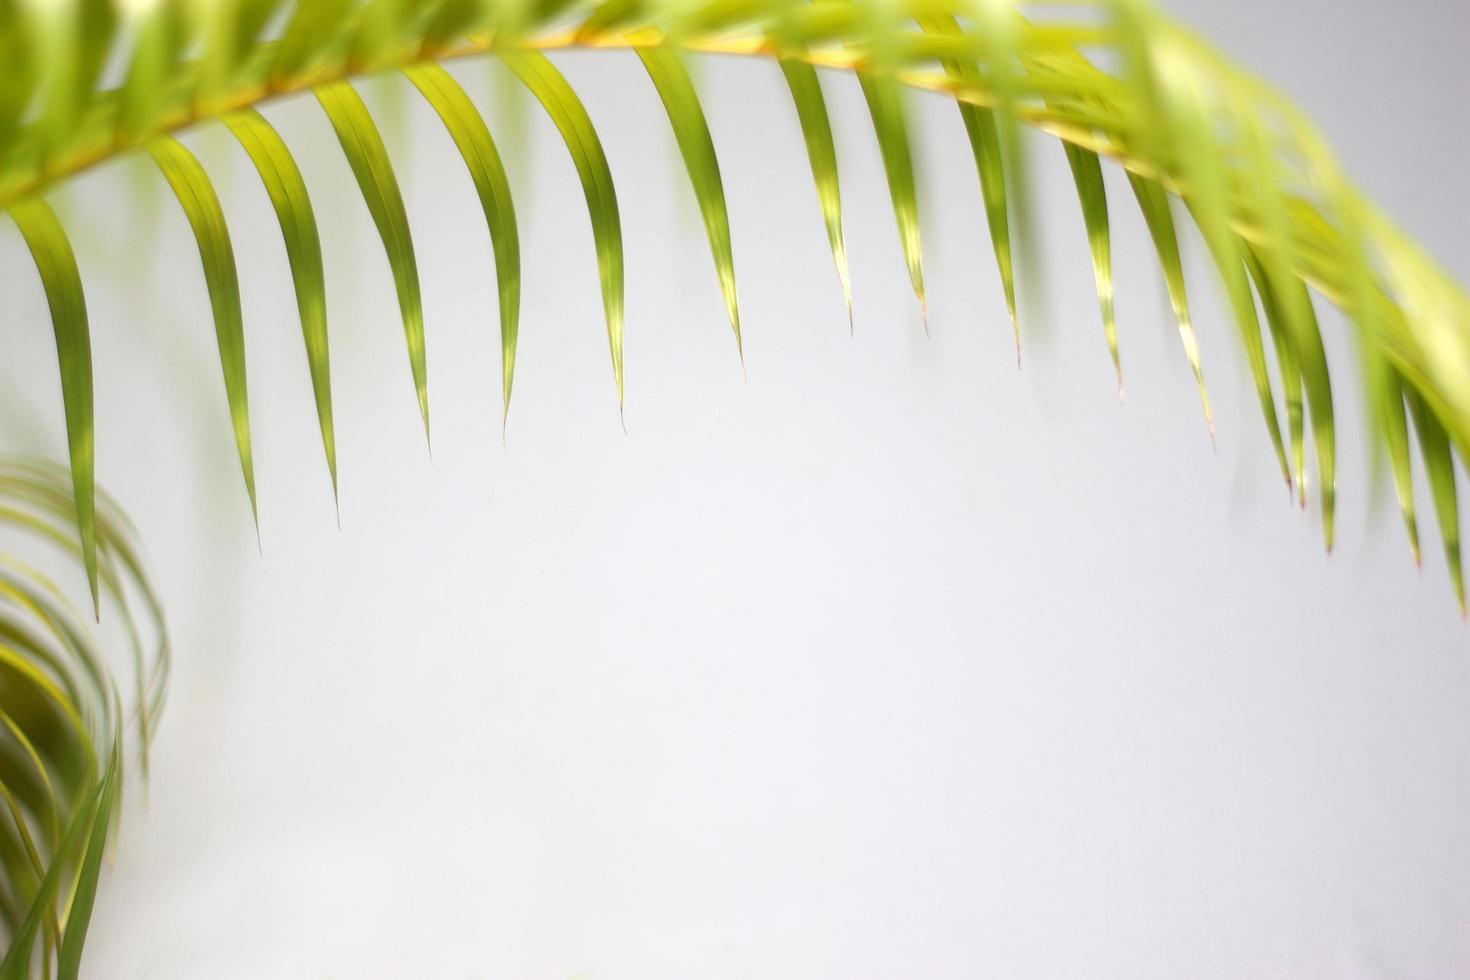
column 892, row 661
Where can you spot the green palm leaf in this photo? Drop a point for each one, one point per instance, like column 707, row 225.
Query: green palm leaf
column 287, row 191
column 1088, row 178
column 890, row 124
column 561, row 103
column 1439, row 466
column 368, row 158
column 696, row 146
column 1160, row 221
column 472, row 137
column 63, row 285
column 984, row 135
column 816, row 131
column 191, row 185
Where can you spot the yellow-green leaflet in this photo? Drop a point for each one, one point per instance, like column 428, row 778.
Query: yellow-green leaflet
column 62, row 282
column 1287, row 363
column 379, row 28
column 1227, row 256
column 73, row 40
column 467, row 128
column 1194, row 146
column 232, row 33
column 566, row 111
column 38, row 499
column 84, row 893
column 454, row 18
column 310, row 24
column 698, row 150
column 16, row 965
column 33, row 863
column 40, row 794
column 1155, row 207
column 1289, row 312
column 1395, row 432
column 612, row 13
column 196, row 195
column 1165, row 78
column 885, row 106
column 1382, row 383
column 18, row 81
column 816, row 132
column 156, row 53
column 997, row 26
column 287, row 191
column 1439, row 467
column 1312, row 360
column 363, row 146
column 984, row 136
column 1087, row 175
column 985, row 145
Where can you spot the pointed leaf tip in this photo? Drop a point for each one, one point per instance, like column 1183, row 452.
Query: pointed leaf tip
column 890, row 125
column 62, row 283
column 1393, row 422
column 556, row 96
column 1092, row 194
column 816, row 132
column 287, row 191
column 195, row 193
column 983, row 132
column 481, row 157
column 362, row 144
column 1154, row 204
column 696, row 146
column 84, row 892
column 1439, row 469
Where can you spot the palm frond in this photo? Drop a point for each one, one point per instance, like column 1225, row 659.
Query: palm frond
column 1196, row 137
column 1272, row 205
column 62, row 717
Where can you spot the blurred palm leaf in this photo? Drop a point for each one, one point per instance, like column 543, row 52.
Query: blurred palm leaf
column 1196, row 138
column 62, row 717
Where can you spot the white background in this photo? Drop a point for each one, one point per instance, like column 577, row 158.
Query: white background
column 892, row 661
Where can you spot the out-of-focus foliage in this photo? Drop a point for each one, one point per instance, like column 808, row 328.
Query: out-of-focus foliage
column 86, row 81
column 65, row 725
